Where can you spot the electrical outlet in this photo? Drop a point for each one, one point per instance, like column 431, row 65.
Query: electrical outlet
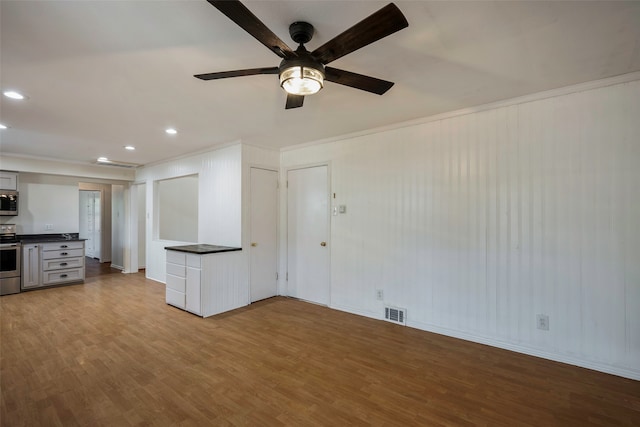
column 542, row 322
column 48, row 226
column 379, row 294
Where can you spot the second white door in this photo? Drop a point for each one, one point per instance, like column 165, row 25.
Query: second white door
column 264, row 220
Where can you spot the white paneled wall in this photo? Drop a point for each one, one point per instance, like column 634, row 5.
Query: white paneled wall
column 224, row 285
column 477, row 223
column 219, row 208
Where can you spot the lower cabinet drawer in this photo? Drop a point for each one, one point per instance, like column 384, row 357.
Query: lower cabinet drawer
column 176, row 283
column 176, row 269
column 67, row 244
column 63, row 253
column 59, row 264
column 62, row 276
column 175, row 298
column 176, row 257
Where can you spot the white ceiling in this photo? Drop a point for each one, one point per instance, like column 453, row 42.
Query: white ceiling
column 103, row 74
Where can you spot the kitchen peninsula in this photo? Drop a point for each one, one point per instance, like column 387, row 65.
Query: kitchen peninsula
column 205, row 279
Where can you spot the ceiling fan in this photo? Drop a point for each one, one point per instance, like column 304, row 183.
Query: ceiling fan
column 302, row 72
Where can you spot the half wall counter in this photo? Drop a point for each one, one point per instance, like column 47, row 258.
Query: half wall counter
column 205, row 279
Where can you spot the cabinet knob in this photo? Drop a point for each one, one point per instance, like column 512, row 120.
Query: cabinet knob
column 62, row 264
column 64, row 246
column 254, row 244
column 63, row 275
column 64, row 253
column 323, row 243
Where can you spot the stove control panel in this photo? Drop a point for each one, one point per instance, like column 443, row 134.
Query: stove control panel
column 8, row 229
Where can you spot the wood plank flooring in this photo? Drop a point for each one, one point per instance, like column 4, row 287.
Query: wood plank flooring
column 94, row 268
column 112, row 353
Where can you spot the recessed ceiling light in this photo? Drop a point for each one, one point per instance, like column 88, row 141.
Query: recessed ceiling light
column 129, row 147
column 3, row 126
column 13, row 94
column 103, row 159
column 171, row 131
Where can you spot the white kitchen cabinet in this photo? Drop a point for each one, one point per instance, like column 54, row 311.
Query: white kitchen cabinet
column 62, row 262
column 52, row 263
column 194, row 288
column 30, row 266
column 8, row 180
column 183, row 281
column 206, row 284
column 176, row 278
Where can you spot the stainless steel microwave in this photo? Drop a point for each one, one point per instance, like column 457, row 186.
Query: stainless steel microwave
column 8, row 203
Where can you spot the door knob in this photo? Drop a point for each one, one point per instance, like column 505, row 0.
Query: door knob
column 323, row 243
column 254, row 244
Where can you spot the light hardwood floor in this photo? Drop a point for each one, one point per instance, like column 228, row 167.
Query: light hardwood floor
column 112, row 353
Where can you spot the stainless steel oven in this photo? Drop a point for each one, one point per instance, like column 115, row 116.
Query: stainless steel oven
column 8, row 203
column 10, row 267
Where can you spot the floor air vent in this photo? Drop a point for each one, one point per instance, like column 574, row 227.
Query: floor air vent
column 395, row 315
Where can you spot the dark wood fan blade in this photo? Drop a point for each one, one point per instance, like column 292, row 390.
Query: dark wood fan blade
column 237, row 73
column 294, row 101
column 384, row 22
column 358, row 81
column 242, row 16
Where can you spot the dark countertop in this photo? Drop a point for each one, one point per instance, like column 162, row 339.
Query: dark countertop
column 43, row 238
column 202, row 249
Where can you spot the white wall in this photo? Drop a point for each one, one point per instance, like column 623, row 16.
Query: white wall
column 46, row 199
column 219, row 208
column 478, row 222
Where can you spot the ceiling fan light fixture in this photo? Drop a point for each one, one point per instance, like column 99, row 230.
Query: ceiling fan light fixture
column 301, row 80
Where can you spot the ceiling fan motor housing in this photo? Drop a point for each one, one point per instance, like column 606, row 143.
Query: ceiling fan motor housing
column 304, row 59
column 301, row 32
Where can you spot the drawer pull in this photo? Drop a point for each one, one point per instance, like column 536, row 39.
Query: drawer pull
column 62, row 276
column 64, row 253
column 63, row 246
column 62, row 264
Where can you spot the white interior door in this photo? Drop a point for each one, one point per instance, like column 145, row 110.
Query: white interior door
column 90, row 222
column 97, row 225
column 308, row 234
column 86, row 216
column 264, row 222
column 142, row 226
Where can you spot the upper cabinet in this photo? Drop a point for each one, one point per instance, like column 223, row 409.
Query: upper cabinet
column 8, row 180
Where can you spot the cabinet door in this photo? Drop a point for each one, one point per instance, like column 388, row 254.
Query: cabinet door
column 193, row 290
column 8, row 180
column 30, row 266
